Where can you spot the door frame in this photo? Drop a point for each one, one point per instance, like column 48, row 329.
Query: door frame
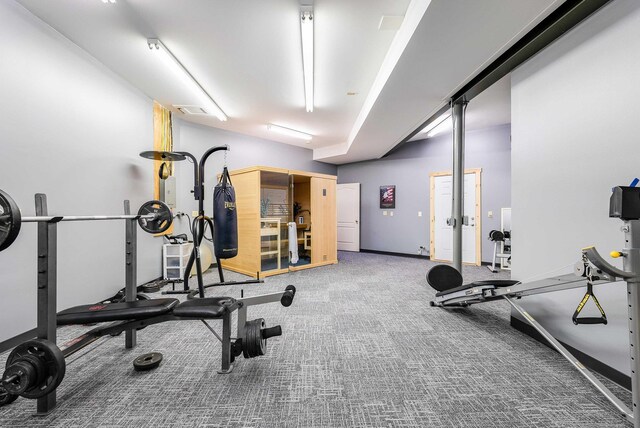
column 432, row 214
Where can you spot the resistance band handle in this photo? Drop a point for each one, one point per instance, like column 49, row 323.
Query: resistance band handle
column 589, row 320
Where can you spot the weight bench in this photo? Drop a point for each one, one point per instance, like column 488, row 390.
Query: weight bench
column 142, row 313
column 35, row 368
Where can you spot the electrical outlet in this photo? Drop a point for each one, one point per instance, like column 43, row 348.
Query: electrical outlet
column 419, row 213
column 384, row 213
column 194, row 214
column 391, row 213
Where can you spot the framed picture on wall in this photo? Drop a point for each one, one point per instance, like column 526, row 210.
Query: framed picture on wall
column 388, row 197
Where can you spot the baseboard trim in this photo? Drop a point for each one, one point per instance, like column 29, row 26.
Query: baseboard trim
column 591, row 363
column 389, row 253
column 16, row 340
column 412, row 256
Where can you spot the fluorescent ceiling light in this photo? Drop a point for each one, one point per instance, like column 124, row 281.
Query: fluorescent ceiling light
column 108, row 1
column 290, row 132
column 437, row 126
column 306, row 31
column 210, row 106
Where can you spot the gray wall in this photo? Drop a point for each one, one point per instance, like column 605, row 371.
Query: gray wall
column 575, row 134
column 245, row 151
column 409, row 170
column 73, row 130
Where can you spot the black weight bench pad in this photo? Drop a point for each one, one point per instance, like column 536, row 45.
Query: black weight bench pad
column 496, row 283
column 207, row 308
column 105, row 312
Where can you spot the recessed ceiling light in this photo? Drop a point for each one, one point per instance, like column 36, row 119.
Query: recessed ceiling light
column 290, row 132
column 437, row 126
column 109, row 1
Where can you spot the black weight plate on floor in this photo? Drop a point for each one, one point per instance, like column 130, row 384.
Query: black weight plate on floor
column 163, row 219
column 147, row 361
column 5, row 397
column 444, row 277
column 52, row 362
column 10, row 220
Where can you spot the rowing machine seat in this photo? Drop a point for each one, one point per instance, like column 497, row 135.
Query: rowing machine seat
column 496, row 283
column 444, row 277
column 140, row 309
column 207, row 308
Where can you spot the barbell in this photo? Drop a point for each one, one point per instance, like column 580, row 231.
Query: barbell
column 153, row 217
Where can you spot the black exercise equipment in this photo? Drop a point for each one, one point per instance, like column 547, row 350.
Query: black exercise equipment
column 444, row 277
column 225, row 218
column 146, row 362
column 498, row 236
column 5, row 397
column 200, row 223
column 154, row 217
column 36, row 367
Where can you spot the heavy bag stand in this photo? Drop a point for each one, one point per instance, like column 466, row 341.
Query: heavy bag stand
column 200, row 221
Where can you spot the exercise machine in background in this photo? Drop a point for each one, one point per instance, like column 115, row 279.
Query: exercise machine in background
column 591, row 270
column 499, row 238
column 200, row 223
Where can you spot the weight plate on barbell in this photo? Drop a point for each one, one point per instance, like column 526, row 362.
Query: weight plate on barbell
column 10, row 220
column 253, row 345
column 161, row 222
column 52, row 363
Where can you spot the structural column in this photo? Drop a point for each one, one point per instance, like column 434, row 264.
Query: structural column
column 631, row 262
column 457, row 210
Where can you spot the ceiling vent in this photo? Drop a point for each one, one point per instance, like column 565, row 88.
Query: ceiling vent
column 191, row 110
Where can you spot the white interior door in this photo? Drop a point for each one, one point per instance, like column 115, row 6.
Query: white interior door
column 348, row 216
column 443, row 233
column 469, row 231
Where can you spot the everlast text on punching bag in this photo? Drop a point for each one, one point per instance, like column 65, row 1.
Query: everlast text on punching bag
column 225, row 218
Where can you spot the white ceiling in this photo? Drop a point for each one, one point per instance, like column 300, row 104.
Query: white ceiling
column 247, row 55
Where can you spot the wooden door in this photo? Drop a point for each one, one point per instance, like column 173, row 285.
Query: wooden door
column 324, row 222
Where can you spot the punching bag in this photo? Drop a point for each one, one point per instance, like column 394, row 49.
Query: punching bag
column 225, row 218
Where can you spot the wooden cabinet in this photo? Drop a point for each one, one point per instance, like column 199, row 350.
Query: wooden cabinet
column 267, row 200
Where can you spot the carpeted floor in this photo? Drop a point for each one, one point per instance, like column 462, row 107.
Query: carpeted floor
column 361, row 348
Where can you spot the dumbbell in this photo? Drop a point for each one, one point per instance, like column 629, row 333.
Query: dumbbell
column 287, row 297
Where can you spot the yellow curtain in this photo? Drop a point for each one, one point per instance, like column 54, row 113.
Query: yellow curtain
column 162, row 141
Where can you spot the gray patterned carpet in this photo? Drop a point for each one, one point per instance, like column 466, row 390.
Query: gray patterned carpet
column 361, row 348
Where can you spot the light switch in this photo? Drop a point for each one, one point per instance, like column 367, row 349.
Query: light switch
column 419, row 213
column 490, row 214
column 384, row 213
column 391, row 213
